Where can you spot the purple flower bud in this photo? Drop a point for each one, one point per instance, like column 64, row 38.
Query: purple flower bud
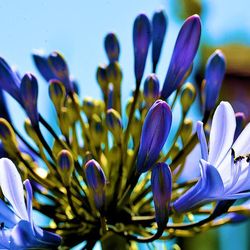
column 65, row 163
column 64, row 160
column 154, row 134
column 240, row 119
column 186, row 46
column 159, row 27
column 161, row 182
column 42, row 64
column 59, row 68
column 9, row 80
column 114, row 123
column 141, row 41
column 112, row 47
column 214, row 74
column 102, row 78
column 29, row 94
column 151, row 89
column 96, row 181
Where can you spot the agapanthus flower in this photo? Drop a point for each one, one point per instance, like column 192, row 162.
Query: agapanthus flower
column 185, row 49
column 18, row 229
column 155, row 131
column 225, row 171
column 214, row 74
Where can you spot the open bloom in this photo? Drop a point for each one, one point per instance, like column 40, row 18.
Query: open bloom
column 223, row 177
column 18, row 230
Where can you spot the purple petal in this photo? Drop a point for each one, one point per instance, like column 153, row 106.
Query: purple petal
column 5, row 238
column 209, row 187
column 215, row 71
column 7, row 216
column 184, row 52
column 154, row 134
column 222, row 133
column 29, row 198
column 202, row 139
column 9, row 81
column 12, row 187
column 141, row 41
column 23, row 237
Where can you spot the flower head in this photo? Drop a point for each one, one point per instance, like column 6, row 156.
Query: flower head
column 223, row 177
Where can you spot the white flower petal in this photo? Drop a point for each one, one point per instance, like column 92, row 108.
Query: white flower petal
column 242, row 143
column 12, row 187
column 222, row 133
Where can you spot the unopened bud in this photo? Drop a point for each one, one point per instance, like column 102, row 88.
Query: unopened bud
column 66, row 166
column 29, row 95
column 114, row 124
column 151, row 89
column 96, row 182
column 187, row 96
column 57, row 94
column 112, row 47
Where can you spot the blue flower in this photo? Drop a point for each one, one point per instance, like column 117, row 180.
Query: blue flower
column 154, row 134
column 18, row 229
column 223, row 177
column 185, row 49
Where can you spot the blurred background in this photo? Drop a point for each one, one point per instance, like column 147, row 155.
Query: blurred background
column 77, row 28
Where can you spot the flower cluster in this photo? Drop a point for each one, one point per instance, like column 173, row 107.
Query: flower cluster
column 108, row 173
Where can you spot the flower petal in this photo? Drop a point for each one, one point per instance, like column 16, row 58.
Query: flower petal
column 12, row 187
column 202, row 139
column 7, row 216
column 242, row 145
column 4, row 239
column 209, row 187
column 29, row 198
column 222, row 133
column 23, row 237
